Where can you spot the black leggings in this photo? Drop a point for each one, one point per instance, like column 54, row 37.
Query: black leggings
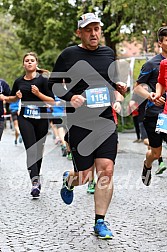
column 136, row 124
column 34, row 133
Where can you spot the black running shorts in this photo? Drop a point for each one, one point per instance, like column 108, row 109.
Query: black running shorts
column 83, row 158
column 155, row 139
column 14, row 116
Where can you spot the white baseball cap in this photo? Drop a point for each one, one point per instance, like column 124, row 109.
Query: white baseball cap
column 88, row 18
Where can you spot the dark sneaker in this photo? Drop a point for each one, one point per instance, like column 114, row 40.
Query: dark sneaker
column 66, row 193
column 146, row 175
column 15, row 141
column 91, row 187
column 161, row 168
column 101, row 230
column 64, row 151
column 35, row 191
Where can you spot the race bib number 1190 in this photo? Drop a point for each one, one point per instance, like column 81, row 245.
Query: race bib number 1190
column 32, row 111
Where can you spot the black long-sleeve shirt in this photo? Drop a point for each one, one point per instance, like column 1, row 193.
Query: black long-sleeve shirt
column 87, row 69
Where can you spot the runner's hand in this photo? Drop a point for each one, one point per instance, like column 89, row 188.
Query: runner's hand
column 157, row 99
column 34, row 90
column 117, row 106
column 77, row 101
column 2, row 97
column 153, row 96
column 19, row 94
column 121, row 87
column 160, row 101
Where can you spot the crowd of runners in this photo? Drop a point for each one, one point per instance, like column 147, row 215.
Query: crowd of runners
column 79, row 100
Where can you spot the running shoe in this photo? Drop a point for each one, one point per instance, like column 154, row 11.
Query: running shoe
column 15, row 141
column 20, row 139
column 161, row 168
column 91, row 187
column 66, row 193
column 101, row 230
column 35, row 191
column 146, row 175
column 64, row 151
column 69, row 156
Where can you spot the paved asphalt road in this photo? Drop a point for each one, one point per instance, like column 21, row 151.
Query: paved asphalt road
column 137, row 214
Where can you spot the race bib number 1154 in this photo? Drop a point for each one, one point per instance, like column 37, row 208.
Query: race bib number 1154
column 98, row 97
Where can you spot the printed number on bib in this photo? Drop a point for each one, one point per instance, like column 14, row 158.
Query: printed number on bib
column 98, row 97
column 32, row 111
column 161, row 125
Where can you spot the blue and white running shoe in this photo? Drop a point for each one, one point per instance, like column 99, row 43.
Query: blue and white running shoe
column 66, row 193
column 101, row 230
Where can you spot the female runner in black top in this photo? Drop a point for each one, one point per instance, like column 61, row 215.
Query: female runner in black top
column 32, row 89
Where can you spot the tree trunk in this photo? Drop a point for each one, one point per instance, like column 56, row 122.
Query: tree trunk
column 110, row 43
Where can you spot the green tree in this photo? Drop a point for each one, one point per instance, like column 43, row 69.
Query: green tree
column 49, row 26
column 10, row 50
column 139, row 17
column 45, row 27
